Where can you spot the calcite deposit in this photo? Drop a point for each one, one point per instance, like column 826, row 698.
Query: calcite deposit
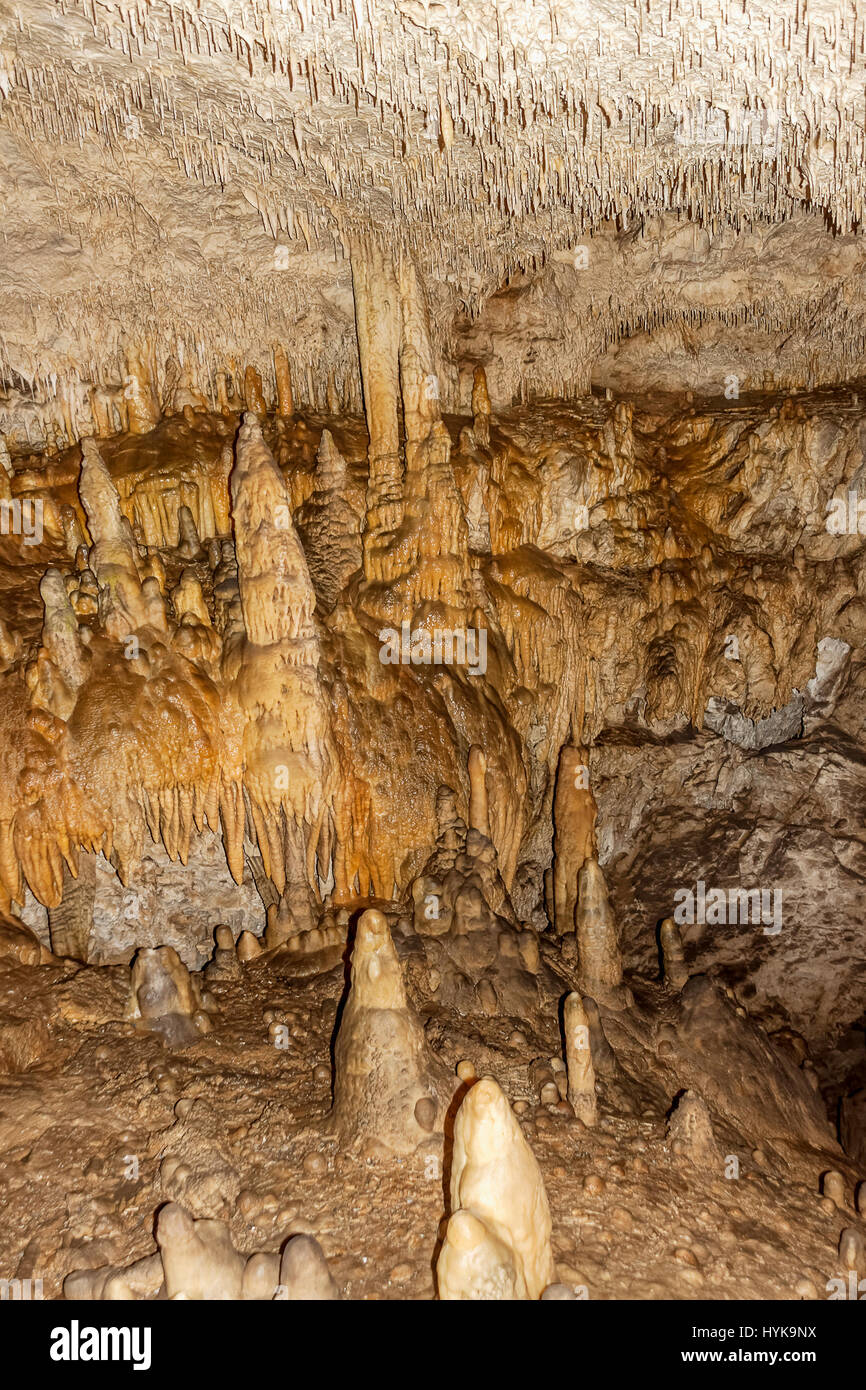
column 432, row 679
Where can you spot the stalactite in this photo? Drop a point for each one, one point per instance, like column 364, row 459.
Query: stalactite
column 288, row 754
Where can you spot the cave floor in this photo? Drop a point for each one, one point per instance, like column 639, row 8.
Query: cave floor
column 84, row 1130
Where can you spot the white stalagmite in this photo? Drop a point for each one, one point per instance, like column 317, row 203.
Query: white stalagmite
column 496, row 1179
column 476, row 1265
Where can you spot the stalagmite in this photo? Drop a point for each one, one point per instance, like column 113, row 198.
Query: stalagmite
column 288, row 753
column 383, row 1070
column 574, row 816
column 224, row 963
column 578, row 1059
column 248, row 947
column 852, row 1249
column 198, row 1257
column 328, row 523
column 598, row 954
column 498, row 1202
column 304, row 1273
column 142, row 408
column 690, row 1132
column 479, row 818
column 474, row 1264
column 72, row 531
column 190, row 543
column 673, row 956
column 163, row 996
column 833, row 1186
column 480, row 409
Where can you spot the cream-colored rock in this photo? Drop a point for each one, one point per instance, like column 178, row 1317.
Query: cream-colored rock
column 163, row 996
column 198, row 1257
column 690, row 1133
column 261, row 1277
column 140, row 1280
column 63, row 662
column 288, row 754
column 479, row 816
column 304, row 1273
column 383, row 1066
column 474, row 1264
column 113, row 556
column 578, row 1059
column 248, row 946
column 495, row 1177
column 574, row 817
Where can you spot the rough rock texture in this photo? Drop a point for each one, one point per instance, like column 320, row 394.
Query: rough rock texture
column 163, row 996
column 167, row 904
column 432, row 611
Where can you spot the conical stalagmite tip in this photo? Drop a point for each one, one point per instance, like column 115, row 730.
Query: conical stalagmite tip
column 372, row 927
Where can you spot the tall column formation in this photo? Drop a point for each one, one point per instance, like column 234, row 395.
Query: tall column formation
column 288, row 756
column 598, row 956
column 419, row 381
column 578, row 1061
column 377, row 316
column 495, row 1177
column 574, row 816
column 435, row 538
column 416, row 541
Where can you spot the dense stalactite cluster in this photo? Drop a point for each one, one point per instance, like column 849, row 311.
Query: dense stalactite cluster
column 133, row 148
